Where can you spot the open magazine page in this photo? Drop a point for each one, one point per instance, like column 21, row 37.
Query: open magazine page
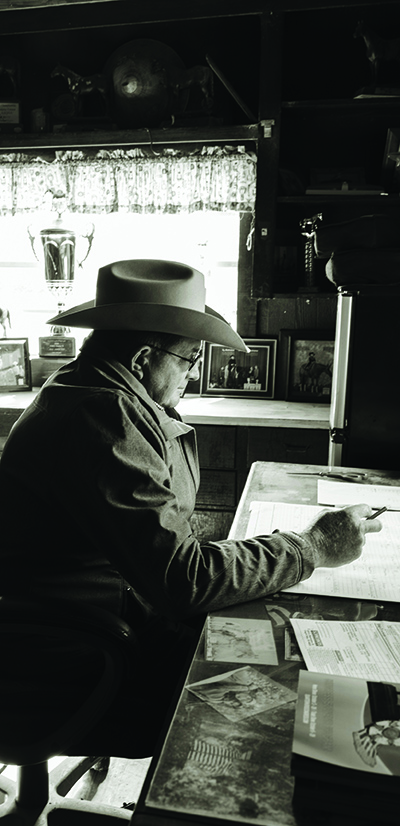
column 348, row 722
column 375, row 575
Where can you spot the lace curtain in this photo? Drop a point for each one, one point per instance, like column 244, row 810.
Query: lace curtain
column 133, row 180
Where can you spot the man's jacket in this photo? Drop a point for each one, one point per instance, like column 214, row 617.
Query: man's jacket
column 97, row 488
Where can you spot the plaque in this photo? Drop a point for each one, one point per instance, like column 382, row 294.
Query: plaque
column 10, row 115
column 57, row 346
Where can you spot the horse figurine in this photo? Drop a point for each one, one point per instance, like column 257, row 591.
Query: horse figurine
column 4, row 318
column 10, row 68
column 378, row 49
column 79, row 85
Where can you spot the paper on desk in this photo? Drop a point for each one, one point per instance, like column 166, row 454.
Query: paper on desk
column 375, row 575
column 369, row 650
column 350, row 493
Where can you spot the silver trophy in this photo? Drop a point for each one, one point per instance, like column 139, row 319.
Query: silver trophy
column 58, row 247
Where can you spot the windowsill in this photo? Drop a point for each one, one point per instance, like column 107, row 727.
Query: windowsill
column 218, row 410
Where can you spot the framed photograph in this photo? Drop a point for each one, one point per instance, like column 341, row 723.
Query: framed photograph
column 228, row 372
column 15, row 367
column 307, row 360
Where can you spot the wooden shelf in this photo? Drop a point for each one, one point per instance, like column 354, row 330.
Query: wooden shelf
column 129, row 137
column 351, row 104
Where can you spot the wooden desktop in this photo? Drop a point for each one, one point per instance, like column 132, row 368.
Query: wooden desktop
column 211, row 769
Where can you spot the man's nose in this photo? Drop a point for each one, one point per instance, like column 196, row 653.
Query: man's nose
column 194, row 372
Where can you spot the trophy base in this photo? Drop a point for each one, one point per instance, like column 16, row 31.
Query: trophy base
column 42, row 369
column 57, row 347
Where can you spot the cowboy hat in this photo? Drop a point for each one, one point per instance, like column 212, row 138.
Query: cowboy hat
column 154, row 295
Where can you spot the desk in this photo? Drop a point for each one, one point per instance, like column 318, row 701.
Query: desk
column 226, row 771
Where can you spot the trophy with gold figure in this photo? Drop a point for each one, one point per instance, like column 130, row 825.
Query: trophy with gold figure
column 58, row 254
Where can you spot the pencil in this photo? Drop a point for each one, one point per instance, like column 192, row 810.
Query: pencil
column 378, row 513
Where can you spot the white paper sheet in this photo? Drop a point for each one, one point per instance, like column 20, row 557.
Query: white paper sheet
column 375, row 575
column 350, row 493
column 370, row 650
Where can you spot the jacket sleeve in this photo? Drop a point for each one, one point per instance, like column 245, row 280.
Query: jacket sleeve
column 129, row 508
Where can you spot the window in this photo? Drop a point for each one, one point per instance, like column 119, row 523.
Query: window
column 208, row 241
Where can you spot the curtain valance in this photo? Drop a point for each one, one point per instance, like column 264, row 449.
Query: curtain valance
column 134, row 180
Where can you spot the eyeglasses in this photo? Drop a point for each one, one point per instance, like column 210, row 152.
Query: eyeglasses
column 192, row 360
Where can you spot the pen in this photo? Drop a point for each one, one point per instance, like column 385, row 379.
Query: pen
column 378, row 513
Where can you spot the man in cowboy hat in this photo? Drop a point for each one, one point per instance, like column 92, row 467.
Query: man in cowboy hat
column 107, row 474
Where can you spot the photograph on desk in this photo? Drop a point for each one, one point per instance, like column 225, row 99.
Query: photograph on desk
column 239, row 640
column 228, row 372
column 242, row 693
column 215, row 768
column 15, row 368
column 307, row 363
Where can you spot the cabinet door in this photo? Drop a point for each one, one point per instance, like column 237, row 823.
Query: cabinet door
column 281, row 444
column 216, row 445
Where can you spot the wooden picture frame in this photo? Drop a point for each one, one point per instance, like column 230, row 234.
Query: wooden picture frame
column 307, row 359
column 15, row 366
column 232, row 373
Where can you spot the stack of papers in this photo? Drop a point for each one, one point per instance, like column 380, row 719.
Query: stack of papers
column 376, row 574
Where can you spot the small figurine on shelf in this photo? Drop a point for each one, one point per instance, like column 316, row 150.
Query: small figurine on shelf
column 68, row 106
column 309, row 225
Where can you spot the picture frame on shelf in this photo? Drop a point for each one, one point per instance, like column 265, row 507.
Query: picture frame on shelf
column 307, row 363
column 15, row 366
column 232, row 373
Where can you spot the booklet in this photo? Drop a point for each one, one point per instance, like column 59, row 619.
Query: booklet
column 346, row 746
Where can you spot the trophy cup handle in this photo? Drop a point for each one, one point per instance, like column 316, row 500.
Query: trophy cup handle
column 32, row 240
column 89, row 238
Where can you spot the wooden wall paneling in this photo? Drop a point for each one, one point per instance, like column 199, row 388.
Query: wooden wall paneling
column 296, row 312
column 216, row 446
column 268, row 153
column 217, row 489
column 210, row 526
column 247, row 304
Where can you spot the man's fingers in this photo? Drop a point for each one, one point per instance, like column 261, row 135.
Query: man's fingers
column 372, row 525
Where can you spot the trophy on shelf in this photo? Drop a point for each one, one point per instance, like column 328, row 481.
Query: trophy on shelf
column 58, row 246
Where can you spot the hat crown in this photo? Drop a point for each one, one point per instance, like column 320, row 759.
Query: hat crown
column 148, row 281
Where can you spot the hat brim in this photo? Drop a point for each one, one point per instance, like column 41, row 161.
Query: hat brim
column 161, row 318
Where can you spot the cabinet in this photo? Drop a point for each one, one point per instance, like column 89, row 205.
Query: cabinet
column 226, row 454
column 329, row 103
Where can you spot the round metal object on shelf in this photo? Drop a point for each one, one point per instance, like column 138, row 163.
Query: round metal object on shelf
column 145, row 77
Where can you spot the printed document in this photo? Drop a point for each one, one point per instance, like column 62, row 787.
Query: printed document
column 370, row 650
column 375, row 575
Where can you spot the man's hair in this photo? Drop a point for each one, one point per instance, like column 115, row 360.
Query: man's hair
column 123, row 344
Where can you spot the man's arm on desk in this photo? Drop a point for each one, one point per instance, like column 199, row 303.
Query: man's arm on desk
column 233, row 571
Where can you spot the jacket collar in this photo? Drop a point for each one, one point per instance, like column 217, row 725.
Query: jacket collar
column 169, row 422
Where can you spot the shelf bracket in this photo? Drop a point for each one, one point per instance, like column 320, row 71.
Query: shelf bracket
column 266, row 127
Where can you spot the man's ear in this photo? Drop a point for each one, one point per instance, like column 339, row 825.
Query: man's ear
column 140, row 362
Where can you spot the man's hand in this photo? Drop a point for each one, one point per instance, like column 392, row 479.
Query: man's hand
column 337, row 537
